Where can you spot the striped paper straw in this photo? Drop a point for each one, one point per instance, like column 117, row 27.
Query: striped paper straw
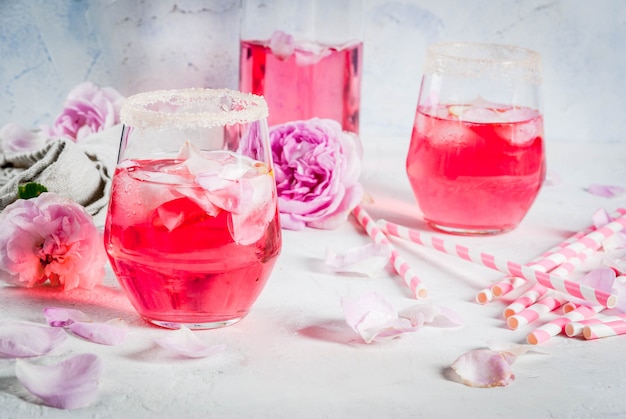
column 484, row 296
column 525, row 300
column 505, row 285
column 544, row 333
column 571, row 288
column 576, row 328
column 605, row 329
column 537, row 291
column 533, row 312
column 400, row 265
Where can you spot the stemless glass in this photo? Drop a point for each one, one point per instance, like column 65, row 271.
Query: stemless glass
column 476, row 160
column 192, row 229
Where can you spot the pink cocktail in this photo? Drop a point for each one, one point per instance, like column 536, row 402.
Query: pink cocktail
column 192, row 229
column 476, row 160
column 476, row 169
column 302, row 82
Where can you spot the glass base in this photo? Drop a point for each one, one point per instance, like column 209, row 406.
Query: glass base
column 487, row 231
column 195, row 325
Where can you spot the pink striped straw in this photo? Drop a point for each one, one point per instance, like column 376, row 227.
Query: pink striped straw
column 576, row 328
column 544, row 333
column 533, row 312
column 538, row 291
column 484, row 296
column 605, row 330
column 567, row 287
column 548, row 258
column 525, row 300
column 504, row 287
column 400, row 265
column 507, row 285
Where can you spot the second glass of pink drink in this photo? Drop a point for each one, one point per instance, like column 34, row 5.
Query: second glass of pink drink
column 192, row 230
column 476, row 161
column 304, row 58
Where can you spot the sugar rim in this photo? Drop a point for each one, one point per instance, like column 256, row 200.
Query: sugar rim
column 467, row 59
column 134, row 111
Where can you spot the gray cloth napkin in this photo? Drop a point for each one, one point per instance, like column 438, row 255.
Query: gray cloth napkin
column 63, row 167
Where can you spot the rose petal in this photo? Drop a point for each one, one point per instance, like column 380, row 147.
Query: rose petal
column 607, row 191
column 431, row 314
column 374, row 318
column 620, row 289
column 601, row 218
column 113, row 332
column 600, row 278
column 370, row 259
column 22, row 339
column 184, row 342
column 616, row 260
column 70, row 384
column 62, row 317
column 484, row 368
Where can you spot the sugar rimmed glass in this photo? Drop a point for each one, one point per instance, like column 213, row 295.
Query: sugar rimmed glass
column 476, row 160
column 192, row 229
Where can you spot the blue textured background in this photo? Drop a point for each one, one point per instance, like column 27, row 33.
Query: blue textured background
column 47, row 47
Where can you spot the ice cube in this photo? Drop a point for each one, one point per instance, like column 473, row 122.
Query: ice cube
column 481, row 115
column 175, row 213
column 249, row 224
column 281, row 44
column 520, row 133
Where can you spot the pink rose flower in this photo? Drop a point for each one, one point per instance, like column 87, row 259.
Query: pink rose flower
column 317, row 169
column 50, row 239
column 88, row 109
column 14, row 139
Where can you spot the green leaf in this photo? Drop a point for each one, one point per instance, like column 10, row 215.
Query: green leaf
column 30, row 190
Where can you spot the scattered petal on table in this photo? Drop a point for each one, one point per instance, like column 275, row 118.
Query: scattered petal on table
column 22, row 339
column 607, row 191
column 431, row 314
column 601, row 218
column 616, row 241
column 620, row 288
column 374, row 318
column 70, row 384
column 600, row 278
column 485, row 368
column 113, row 332
column 184, row 342
column 616, row 260
column 62, row 317
column 370, row 259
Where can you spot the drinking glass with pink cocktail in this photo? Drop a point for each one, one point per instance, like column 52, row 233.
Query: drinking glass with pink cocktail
column 192, row 229
column 476, row 160
column 305, row 58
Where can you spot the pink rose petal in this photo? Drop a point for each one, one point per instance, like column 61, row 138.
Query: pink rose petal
column 184, row 342
column 600, row 278
column 601, row 218
column 369, row 260
column 22, row 339
column 485, row 368
column 62, row 317
column 607, row 191
column 374, row 318
column 431, row 314
column 113, row 332
column 620, row 289
column 70, row 384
